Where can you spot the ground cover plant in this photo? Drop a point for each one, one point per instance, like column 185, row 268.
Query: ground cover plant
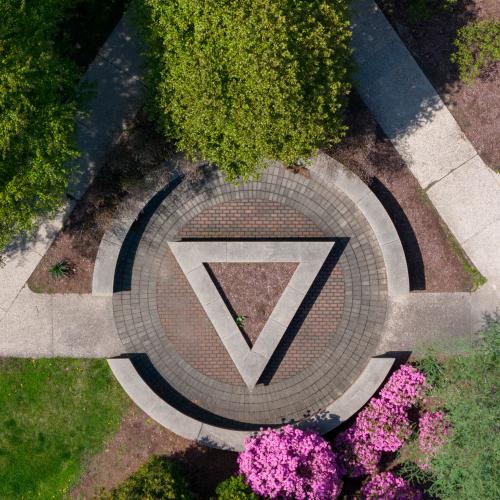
column 159, row 478
column 55, row 413
column 477, row 48
column 239, row 83
column 43, row 52
column 467, row 387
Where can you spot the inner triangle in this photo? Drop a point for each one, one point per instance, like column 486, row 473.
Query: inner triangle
column 250, row 291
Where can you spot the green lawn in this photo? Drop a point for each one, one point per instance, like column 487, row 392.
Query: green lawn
column 54, row 413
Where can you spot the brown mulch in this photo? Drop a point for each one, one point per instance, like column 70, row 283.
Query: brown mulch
column 138, row 438
column 252, row 290
column 139, row 150
column 476, row 107
column 433, row 264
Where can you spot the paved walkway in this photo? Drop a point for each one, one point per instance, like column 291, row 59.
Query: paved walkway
column 465, row 192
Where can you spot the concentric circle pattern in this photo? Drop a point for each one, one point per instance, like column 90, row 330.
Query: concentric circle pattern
column 330, row 340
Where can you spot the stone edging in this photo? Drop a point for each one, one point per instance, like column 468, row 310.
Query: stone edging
column 217, row 437
column 326, row 170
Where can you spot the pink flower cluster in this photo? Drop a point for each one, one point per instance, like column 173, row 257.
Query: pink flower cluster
column 290, row 463
column 433, row 429
column 383, row 426
column 387, row 486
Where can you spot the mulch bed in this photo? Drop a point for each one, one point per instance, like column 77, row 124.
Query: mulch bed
column 475, row 107
column 433, row 263
column 251, row 290
column 138, row 438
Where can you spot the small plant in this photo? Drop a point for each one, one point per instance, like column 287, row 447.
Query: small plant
column 60, row 269
column 240, row 320
column 478, row 46
column 158, row 478
column 234, row 488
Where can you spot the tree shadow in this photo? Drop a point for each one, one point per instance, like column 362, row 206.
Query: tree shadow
column 205, row 467
column 415, row 262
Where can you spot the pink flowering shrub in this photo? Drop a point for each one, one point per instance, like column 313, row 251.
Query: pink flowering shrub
column 433, row 429
column 290, row 463
column 383, row 426
column 404, row 388
column 356, row 457
column 387, row 486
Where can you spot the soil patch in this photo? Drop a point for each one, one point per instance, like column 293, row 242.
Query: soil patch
column 433, row 264
column 140, row 437
column 251, row 291
column 430, row 40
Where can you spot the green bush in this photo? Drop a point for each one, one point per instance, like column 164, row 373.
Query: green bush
column 422, row 10
column 242, row 82
column 468, row 386
column 477, row 47
column 156, row 479
column 234, row 488
column 37, row 110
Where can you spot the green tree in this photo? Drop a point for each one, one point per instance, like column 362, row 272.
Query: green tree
column 242, row 82
column 37, row 110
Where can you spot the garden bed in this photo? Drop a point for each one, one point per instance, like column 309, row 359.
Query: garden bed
column 429, row 37
column 435, row 263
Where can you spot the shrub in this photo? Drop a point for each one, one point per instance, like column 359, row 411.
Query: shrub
column 477, row 47
column 158, row 478
column 387, row 486
column 37, row 111
column 467, row 464
column 383, row 425
column 433, row 427
column 242, row 82
column 234, row 488
column 290, row 463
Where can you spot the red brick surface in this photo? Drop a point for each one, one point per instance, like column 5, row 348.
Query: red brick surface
column 192, row 333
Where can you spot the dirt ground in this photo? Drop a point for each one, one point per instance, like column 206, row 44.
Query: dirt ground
column 433, row 264
column 252, row 290
column 476, row 107
column 138, row 438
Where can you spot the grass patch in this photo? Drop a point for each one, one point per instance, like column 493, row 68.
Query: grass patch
column 55, row 413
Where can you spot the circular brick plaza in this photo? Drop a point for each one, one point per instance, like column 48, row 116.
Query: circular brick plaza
column 176, row 347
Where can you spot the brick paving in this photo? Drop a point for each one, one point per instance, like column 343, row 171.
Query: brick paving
column 328, row 343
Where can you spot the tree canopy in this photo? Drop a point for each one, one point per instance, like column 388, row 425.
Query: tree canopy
column 239, row 83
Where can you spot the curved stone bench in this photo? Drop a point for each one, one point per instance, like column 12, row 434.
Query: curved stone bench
column 327, row 172
column 171, row 418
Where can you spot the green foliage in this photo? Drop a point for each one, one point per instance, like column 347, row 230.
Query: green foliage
column 59, row 269
column 44, row 47
column 477, row 47
column 467, row 465
column 156, row 479
column 243, row 82
column 37, row 110
column 54, row 413
column 234, row 488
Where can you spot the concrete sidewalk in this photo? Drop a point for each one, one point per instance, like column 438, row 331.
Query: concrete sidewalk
column 43, row 325
column 465, row 192
column 120, row 94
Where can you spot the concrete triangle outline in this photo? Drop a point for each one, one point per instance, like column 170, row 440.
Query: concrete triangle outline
column 191, row 257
